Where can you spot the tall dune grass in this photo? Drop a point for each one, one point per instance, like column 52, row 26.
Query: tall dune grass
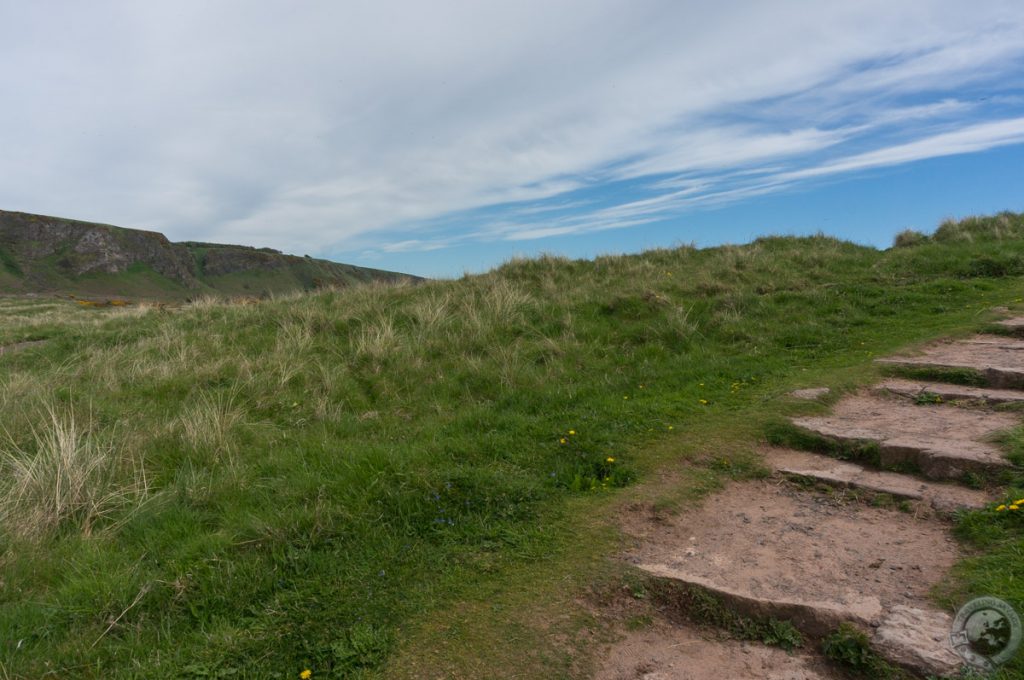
column 69, row 478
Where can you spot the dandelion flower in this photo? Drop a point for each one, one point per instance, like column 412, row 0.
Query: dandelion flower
column 572, row 431
column 306, row 674
column 704, row 401
column 1019, row 501
column 1014, row 507
column 671, row 427
column 562, row 440
column 609, row 459
column 1000, row 508
column 625, row 397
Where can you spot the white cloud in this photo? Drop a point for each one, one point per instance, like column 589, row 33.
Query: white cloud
column 966, row 140
column 322, row 126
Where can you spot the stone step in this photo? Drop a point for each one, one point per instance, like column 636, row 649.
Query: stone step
column 674, row 650
column 1014, row 325
column 767, row 550
column 942, row 441
column 948, row 392
column 998, row 360
column 943, row 498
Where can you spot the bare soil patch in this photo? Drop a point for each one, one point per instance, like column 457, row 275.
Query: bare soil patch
column 681, row 652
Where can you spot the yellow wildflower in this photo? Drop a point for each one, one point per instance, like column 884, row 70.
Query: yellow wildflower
column 572, row 431
column 625, row 397
column 1000, row 508
column 1014, row 507
column 609, row 459
column 703, row 401
column 671, row 428
column 1019, row 501
column 562, row 440
column 306, row 674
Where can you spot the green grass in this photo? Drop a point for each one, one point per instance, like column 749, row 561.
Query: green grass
column 849, row 648
column 956, row 376
column 372, row 482
column 699, row 606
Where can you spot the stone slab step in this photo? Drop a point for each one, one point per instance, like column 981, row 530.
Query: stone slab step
column 775, row 551
column 1014, row 325
column 944, row 498
column 674, row 650
column 999, row 360
column 948, row 392
column 942, row 441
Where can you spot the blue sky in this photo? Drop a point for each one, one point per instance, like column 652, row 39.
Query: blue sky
column 444, row 137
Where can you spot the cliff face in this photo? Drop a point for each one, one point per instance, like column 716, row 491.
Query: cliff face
column 78, row 248
column 51, row 254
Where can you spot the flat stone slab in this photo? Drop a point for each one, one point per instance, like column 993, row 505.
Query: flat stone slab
column 999, row 359
column 943, row 441
column 1015, row 325
column 948, row 392
column 682, row 652
column 944, row 498
column 810, row 393
column 771, row 550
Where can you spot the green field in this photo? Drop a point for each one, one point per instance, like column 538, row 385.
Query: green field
column 381, row 481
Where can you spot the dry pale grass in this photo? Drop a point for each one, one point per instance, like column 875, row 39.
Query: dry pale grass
column 376, row 339
column 209, row 423
column 72, row 478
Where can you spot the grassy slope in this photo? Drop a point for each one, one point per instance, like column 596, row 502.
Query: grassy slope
column 353, row 479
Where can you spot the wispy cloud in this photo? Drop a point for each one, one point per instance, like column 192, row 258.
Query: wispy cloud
column 397, row 127
column 965, row 140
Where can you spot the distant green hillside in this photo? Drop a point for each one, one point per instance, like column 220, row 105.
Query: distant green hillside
column 41, row 254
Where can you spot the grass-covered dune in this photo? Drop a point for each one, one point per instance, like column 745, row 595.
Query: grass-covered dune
column 365, row 482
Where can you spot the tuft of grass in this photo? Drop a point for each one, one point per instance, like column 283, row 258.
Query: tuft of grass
column 850, row 648
column 70, row 478
column 1004, row 226
column 208, row 424
column 909, row 238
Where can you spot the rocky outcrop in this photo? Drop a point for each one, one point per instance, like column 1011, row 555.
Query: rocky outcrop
column 220, row 261
column 52, row 254
column 78, row 248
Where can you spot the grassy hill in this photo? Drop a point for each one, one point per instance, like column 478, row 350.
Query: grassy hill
column 422, row 481
column 40, row 254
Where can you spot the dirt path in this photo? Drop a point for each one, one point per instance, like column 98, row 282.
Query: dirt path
column 803, row 546
column 666, row 652
column 18, row 346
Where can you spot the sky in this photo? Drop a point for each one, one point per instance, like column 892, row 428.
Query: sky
column 447, row 136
